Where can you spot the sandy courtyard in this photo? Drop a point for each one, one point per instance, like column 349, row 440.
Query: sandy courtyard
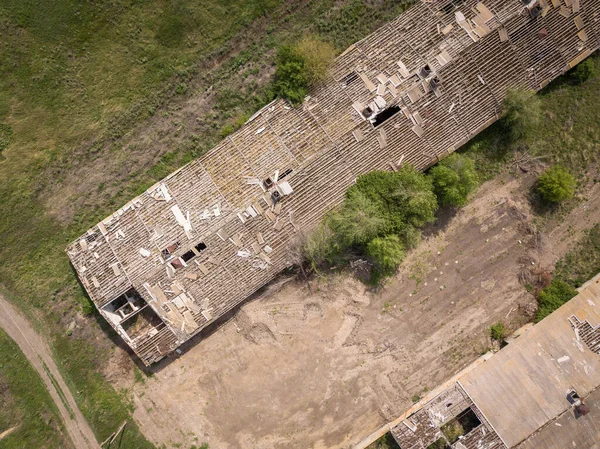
column 325, row 365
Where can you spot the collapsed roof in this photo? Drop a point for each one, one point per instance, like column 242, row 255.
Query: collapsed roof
column 198, row 243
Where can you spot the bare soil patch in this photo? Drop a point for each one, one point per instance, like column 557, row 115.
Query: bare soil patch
column 297, row 369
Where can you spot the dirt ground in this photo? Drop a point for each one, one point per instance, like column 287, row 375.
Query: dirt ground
column 323, row 366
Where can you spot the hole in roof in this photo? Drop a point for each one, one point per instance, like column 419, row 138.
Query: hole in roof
column 169, row 250
column 188, row 256
column 385, row 115
column 349, row 79
column 285, row 173
column 461, row 425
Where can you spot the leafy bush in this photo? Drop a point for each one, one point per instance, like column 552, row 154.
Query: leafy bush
column 522, row 113
column 453, row 179
column 387, row 441
column 552, row 297
column 358, row 220
column 452, row 430
column 226, row 130
column 381, row 216
column 291, row 80
column 438, row 444
column 319, row 247
column 384, row 203
column 318, row 56
column 300, row 67
column 87, row 307
column 556, row 184
column 584, row 71
column 387, row 253
column 497, row 331
column 405, row 198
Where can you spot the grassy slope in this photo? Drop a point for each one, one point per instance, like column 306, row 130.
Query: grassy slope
column 26, row 403
column 582, row 262
column 568, row 134
column 79, row 75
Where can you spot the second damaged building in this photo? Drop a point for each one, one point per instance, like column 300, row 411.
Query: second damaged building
column 198, row 243
column 542, row 391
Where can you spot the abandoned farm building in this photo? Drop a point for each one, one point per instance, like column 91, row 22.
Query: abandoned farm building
column 542, row 391
column 199, row 242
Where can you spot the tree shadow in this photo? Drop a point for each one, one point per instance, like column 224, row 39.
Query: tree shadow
column 539, row 206
column 443, row 217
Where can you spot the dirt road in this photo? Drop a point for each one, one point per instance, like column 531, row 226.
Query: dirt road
column 38, row 354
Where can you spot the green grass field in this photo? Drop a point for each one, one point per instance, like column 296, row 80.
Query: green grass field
column 568, row 133
column 582, row 262
column 26, row 404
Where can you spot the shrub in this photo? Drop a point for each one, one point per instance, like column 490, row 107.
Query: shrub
column 358, row 220
column 556, row 184
column 387, row 253
column 384, row 203
column 522, row 113
column 300, row 67
column 318, row 56
column 87, row 307
column 453, row 179
column 552, row 297
column 584, row 71
column 291, row 80
column 319, row 247
column 452, row 430
column 405, row 198
column 438, row 444
column 380, row 217
column 226, row 130
column 385, row 442
column 497, row 331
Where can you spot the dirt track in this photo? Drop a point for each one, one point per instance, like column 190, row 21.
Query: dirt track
column 38, row 354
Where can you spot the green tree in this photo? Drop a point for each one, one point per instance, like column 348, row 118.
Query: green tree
column 453, row 179
column 380, row 217
column 552, row 297
column 387, row 253
column 291, row 80
column 556, row 184
column 318, row 56
column 584, row 71
column 415, row 197
column 319, row 247
column 405, row 198
column 301, row 67
column 522, row 113
column 358, row 220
